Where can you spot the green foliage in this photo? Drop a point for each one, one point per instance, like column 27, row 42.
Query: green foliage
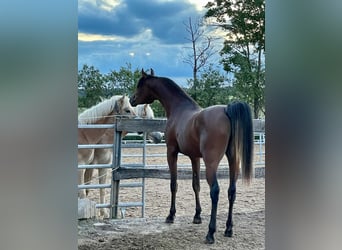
column 250, row 86
column 92, row 85
column 122, row 81
column 90, row 82
column 244, row 46
column 210, row 88
column 158, row 109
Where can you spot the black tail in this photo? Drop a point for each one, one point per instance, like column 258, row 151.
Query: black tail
column 242, row 136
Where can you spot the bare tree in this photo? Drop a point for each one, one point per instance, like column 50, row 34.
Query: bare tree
column 202, row 47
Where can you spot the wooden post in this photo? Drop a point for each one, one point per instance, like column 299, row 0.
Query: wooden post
column 115, row 183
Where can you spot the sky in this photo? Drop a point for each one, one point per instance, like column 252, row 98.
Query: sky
column 145, row 33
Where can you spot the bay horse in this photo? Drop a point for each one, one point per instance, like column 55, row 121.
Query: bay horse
column 207, row 133
column 104, row 155
column 101, row 113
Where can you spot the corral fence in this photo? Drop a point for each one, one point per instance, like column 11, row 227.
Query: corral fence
column 122, row 170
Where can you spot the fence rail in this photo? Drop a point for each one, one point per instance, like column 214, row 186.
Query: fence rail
column 144, row 170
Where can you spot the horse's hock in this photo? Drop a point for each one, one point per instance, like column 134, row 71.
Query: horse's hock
column 141, row 170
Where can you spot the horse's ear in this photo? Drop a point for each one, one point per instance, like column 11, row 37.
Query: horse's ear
column 152, row 72
column 143, row 73
column 122, row 100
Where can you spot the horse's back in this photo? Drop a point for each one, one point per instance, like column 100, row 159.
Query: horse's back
column 213, row 119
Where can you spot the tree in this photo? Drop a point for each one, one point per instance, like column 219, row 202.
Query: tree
column 244, row 46
column 211, row 88
column 90, row 86
column 122, row 81
column 202, row 49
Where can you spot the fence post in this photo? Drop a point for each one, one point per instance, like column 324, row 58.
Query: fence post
column 115, row 183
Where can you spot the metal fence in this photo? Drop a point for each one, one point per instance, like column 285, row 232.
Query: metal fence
column 144, row 144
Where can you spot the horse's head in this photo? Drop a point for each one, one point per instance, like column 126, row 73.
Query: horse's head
column 145, row 111
column 143, row 93
column 123, row 107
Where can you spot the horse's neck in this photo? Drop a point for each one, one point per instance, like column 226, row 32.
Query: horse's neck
column 108, row 137
column 94, row 135
column 109, row 119
column 90, row 136
column 173, row 102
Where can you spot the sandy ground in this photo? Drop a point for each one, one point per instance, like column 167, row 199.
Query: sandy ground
column 151, row 232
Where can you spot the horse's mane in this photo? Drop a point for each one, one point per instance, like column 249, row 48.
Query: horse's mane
column 98, row 111
column 175, row 88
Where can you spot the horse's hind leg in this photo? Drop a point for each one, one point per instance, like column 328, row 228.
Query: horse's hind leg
column 233, row 174
column 196, row 187
column 214, row 195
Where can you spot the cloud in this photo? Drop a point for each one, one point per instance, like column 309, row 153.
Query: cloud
column 146, row 34
column 132, row 17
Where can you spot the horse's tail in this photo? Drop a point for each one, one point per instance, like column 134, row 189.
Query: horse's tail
column 241, row 139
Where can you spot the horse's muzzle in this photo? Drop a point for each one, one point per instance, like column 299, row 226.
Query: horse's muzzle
column 132, row 100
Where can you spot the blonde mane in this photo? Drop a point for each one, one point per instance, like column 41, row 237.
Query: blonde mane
column 100, row 110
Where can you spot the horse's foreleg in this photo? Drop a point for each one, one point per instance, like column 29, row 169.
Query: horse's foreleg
column 85, row 156
column 196, row 187
column 214, row 195
column 81, row 192
column 102, row 180
column 88, row 174
column 172, row 161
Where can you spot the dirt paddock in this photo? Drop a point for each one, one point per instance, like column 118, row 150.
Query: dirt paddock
column 151, row 232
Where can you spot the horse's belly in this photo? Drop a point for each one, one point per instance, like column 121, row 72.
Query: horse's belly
column 192, row 153
column 85, row 156
column 190, row 149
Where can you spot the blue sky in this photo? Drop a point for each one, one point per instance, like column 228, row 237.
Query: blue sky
column 145, row 33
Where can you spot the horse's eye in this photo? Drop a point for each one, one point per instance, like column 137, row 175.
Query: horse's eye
column 128, row 111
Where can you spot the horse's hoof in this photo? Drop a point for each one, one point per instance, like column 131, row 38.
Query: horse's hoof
column 169, row 219
column 209, row 239
column 197, row 220
column 228, row 233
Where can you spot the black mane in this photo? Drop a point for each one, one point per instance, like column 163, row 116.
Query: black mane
column 174, row 87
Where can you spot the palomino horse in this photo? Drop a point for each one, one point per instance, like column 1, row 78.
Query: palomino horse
column 208, row 133
column 101, row 113
column 104, row 155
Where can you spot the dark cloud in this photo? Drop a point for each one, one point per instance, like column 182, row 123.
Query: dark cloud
column 92, row 19
column 163, row 51
column 165, row 19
